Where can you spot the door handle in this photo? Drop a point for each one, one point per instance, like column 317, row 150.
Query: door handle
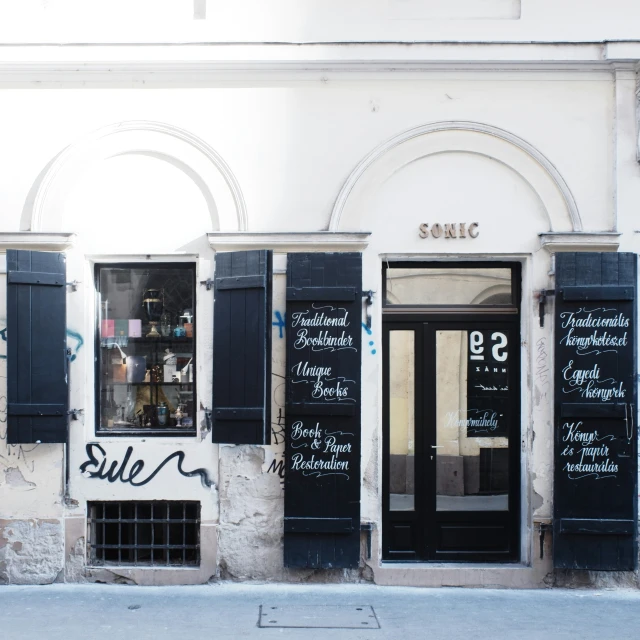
column 437, row 446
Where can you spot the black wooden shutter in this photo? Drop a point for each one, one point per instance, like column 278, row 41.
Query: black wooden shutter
column 37, row 376
column 322, row 477
column 242, row 348
column 595, row 487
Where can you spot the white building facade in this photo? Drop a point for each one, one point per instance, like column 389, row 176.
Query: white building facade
column 456, row 149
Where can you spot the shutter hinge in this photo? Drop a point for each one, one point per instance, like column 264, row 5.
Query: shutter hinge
column 368, row 528
column 208, row 413
column 544, row 527
column 73, row 284
column 368, row 296
column 207, row 283
column 542, row 300
column 74, row 413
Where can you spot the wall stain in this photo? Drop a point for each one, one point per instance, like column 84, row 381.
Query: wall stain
column 15, row 479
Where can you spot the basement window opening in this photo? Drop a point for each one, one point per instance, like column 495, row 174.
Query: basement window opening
column 155, row 534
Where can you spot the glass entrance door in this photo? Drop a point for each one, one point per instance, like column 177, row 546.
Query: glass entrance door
column 452, row 437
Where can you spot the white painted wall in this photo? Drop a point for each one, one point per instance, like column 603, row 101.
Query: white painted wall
column 291, row 143
column 318, row 20
column 141, row 166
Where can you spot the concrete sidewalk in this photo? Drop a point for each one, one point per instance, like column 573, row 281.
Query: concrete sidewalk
column 227, row 610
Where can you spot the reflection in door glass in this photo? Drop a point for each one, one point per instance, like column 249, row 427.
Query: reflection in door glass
column 449, row 286
column 402, row 420
column 472, row 420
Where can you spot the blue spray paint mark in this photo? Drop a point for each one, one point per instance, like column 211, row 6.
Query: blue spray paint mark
column 74, row 335
column 280, row 323
column 369, row 332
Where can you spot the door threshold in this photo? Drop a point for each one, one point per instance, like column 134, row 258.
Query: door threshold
column 455, row 574
column 423, row 564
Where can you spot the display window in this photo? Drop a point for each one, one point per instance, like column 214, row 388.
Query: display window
column 146, row 356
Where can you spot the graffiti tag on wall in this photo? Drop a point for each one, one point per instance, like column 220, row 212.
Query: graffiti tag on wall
column 99, row 466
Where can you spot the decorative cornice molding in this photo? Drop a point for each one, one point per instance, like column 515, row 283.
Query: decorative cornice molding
column 580, row 241
column 200, row 62
column 475, row 127
column 285, row 242
column 116, row 57
column 36, row 241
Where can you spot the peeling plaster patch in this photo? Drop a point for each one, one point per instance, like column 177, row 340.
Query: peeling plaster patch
column 536, row 499
column 74, row 570
column 250, row 544
column 15, row 479
column 371, row 471
column 251, row 516
column 107, row 576
column 567, row 578
column 31, row 551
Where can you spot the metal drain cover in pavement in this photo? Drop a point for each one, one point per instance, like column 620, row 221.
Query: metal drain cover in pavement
column 319, row 617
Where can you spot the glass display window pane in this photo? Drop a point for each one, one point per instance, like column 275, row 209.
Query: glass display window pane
column 472, row 420
column 402, row 429
column 449, row 286
column 146, row 348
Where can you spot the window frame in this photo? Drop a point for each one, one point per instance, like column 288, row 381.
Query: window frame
column 400, row 317
column 142, row 432
column 512, row 308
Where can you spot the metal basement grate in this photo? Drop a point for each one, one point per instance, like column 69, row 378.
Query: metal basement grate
column 158, row 533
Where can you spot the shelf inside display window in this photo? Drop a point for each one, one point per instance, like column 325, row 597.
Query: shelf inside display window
column 146, row 364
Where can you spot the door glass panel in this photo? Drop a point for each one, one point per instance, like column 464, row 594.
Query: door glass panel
column 449, row 286
column 402, row 420
column 472, row 420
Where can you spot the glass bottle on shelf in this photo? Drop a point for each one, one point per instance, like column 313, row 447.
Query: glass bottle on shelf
column 179, row 331
column 165, row 324
column 110, row 408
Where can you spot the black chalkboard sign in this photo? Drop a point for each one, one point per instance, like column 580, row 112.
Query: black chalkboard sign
column 595, row 487
column 322, row 477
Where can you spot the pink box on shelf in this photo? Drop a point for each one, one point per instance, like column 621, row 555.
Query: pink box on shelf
column 108, row 328
column 135, row 328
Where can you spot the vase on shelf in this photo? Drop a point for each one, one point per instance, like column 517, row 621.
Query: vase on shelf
column 153, row 304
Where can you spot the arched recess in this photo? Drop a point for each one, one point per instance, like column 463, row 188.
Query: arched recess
column 182, row 149
column 466, row 137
